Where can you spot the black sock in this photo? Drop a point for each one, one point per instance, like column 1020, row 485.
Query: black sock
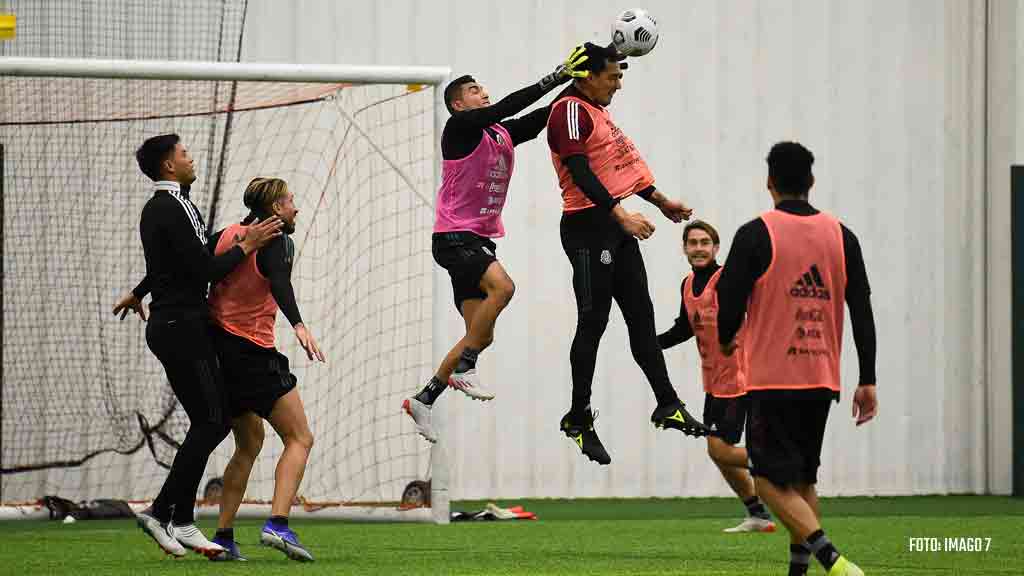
column 468, row 360
column 431, row 391
column 161, row 513
column 819, row 544
column 755, row 508
column 799, row 559
column 225, row 534
column 281, row 521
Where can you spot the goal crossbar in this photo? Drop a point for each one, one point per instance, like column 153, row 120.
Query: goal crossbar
column 240, row 71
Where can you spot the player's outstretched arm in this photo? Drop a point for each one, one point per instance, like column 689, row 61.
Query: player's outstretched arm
column 275, row 263
column 521, row 99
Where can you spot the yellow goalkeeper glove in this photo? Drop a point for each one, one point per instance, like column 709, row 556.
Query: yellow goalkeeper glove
column 568, row 69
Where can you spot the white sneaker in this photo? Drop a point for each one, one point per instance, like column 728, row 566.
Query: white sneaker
column 752, row 524
column 469, row 384
column 159, row 532
column 420, row 414
column 191, row 538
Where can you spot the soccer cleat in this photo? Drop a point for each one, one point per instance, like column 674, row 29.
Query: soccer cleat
column 230, row 553
column 191, row 538
column 675, row 416
column 283, row 539
column 844, row 567
column 159, row 532
column 584, row 435
column 420, row 414
column 752, row 524
column 469, row 384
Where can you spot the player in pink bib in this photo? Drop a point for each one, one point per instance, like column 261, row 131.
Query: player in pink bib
column 725, row 398
column 478, row 150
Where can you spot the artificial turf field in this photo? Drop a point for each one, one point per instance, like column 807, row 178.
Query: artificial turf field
column 674, row 536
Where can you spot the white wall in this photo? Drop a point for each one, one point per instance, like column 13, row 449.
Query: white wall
column 1005, row 146
column 890, row 97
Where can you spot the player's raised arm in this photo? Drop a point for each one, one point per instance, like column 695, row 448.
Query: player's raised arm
column 470, row 92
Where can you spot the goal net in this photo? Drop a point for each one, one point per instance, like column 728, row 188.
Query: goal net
column 86, row 409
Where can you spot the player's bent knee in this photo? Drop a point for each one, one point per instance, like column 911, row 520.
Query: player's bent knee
column 306, row 441
column 508, row 290
column 718, row 450
column 502, row 291
column 302, row 439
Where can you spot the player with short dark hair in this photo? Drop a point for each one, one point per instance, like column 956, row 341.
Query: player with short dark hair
column 724, row 377
column 786, row 277
column 178, row 271
column 598, row 166
column 478, row 149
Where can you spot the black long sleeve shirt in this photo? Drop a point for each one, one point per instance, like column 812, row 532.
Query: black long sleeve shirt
column 464, row 129
column 179, row 267
column 681, row 330
column 748, row 260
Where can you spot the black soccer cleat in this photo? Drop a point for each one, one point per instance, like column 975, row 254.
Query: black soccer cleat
column 675, row 416
column 581, row 431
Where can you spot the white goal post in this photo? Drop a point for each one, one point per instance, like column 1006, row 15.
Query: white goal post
column 364, row 144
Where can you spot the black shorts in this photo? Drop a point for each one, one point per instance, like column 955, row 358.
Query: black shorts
column 466, row 257
column 254, row 377
column 726, row 416
column 785, row 430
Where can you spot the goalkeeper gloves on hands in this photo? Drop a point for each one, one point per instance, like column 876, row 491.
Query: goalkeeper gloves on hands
column 569, row 69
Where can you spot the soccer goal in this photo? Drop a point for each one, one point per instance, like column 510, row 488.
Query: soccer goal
column 86, row 410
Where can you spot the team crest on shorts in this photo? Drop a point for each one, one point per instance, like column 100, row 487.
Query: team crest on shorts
column 606, row 257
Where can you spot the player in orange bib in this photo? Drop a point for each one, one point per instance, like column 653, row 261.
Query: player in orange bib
column 725, row 399
column 260, row 386
column 789, row 272
column 598, row 166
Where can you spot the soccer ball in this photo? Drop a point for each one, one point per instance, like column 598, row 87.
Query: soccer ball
column 634, row 32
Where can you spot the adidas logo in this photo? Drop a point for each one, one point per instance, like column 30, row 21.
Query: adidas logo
column 810, row 285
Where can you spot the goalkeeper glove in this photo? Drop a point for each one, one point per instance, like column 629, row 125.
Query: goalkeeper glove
column 569, row 69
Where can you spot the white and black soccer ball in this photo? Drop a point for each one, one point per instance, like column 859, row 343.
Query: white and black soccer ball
column 634, row 32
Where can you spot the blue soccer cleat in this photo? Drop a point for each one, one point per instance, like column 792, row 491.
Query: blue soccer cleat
column 231, row 552
column 282, row 538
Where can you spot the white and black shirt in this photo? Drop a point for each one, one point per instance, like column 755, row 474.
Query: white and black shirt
column 179, row 267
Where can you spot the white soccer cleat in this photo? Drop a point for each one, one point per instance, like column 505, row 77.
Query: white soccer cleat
column 420, row 414
column 469, row 384
column 752, row 524
column 159, row 532
column 190, row 537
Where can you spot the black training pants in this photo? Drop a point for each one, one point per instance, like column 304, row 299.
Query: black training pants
column 607, row 264
column 182, row 344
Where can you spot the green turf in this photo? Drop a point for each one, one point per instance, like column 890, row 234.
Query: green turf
column 673, row 536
